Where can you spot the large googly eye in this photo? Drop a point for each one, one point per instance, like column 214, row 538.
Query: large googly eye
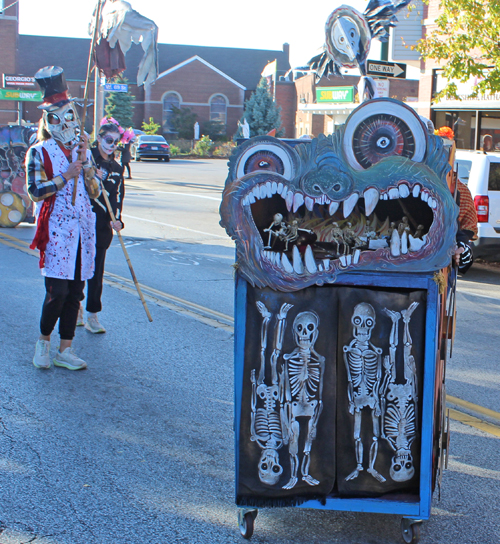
column 265, row 154
column 53, row 119
column 383, row 128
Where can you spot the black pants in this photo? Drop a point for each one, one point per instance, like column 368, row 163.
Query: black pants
column 62, row 301
column 94, row 285
column 127, row 166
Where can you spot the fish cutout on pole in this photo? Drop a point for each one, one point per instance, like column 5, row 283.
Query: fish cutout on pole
column 121, row 26
column 348, row 38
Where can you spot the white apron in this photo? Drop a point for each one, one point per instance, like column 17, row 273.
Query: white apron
column 68, row 224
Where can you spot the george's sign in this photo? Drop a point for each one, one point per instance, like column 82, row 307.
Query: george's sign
column 17, row 81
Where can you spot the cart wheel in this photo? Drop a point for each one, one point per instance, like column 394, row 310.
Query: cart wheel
column 246, row 519
column 410, row 530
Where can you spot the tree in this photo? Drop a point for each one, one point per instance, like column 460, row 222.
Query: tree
column 466, row 41
column 183, row 120
column 262, row 113
column 151, row 127
column 119, row 106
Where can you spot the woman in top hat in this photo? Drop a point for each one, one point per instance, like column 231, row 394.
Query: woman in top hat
column 65, row 232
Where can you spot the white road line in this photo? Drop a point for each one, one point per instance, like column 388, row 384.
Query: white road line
column 472, row 293
column 175, row 226
column 173, row 193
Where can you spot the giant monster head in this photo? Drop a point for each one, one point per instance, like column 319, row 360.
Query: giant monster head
column 371, row 197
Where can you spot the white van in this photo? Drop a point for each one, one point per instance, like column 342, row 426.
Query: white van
column 481, row 173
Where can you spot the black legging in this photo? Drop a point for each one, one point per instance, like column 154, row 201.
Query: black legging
column 127, row 166
column 94, row 285
column 62, row 301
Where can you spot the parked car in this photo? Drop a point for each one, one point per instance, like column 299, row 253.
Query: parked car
column 147, row 146
column 481, row 173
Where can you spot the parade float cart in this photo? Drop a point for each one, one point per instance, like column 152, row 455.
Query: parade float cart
column 343, row 308
column 15, row 204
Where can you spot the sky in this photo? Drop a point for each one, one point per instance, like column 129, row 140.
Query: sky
column 254, row 24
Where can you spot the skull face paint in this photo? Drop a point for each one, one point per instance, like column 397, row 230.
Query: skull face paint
column 63, row 125
column 109, row 142
column 345, row 37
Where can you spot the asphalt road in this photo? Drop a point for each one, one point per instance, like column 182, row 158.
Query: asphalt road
column 139, row 447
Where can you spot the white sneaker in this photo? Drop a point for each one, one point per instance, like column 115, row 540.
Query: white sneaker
column 79, row 321
column 69, row 359
column 93, row 324
column 42, row 356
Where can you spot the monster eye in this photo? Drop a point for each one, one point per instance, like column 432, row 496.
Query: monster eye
column 383, row 128
column 408, row 465
column 53, row 119
column 276, row 469
column 263, row 466
column 69, row 115
column 265, row 154
column 357, row 321
column 369, row 322
column 397, row 468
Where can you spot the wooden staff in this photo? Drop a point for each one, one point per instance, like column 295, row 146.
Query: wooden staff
column 132, row 273
column 87, row 85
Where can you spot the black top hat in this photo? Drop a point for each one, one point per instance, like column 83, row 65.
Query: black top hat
column 53, row 83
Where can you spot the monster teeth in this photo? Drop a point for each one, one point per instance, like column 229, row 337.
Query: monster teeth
column 404, row 243
column 424, row 195
column 416, row 191
column 393, row 193
column 274, row 187
column 251, row 198
column 287, row 265
column 309, row 260
column 395, row 244
column 343, row 261
column 371, row 200
column 309, row 203
column 269, row 189
column 432, row 203
column 263, row 191
column 298, row 265
column 384, row 196
column 326, row 263
column 289, row 200
column 404, row 190
column 246, row 201
column 298, row 200
column 280, row 188
column 334, row 206
column 416, row 244
column 357, row 254
column 349, row 204
column 256, row 192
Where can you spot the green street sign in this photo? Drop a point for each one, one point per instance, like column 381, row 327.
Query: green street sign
column 335, row 94
column 21, row 96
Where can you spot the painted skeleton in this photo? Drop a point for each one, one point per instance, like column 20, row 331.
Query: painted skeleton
column 400, row 400
column 363, row 363
column 301, row 380
column 266, row 426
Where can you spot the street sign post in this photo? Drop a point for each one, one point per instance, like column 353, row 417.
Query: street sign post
column 386, row 69
column 116, row 87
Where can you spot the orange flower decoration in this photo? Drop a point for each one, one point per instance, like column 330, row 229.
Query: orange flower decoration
column 445, row 132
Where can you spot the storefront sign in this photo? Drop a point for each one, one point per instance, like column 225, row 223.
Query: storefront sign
column 21, row 96
column 335, row 94
column 12, row 80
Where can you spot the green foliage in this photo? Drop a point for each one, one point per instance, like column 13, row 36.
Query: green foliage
column 151, row 127
column 224, row 150
column 119, row 105
column 183, row 120
column 262, row 113
column 175, row 150
column 203, row 146
column 214, row 129
column 466, row 43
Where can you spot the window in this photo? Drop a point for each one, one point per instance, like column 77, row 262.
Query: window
column 171, row 100
column 494, row 179
column 218, row 109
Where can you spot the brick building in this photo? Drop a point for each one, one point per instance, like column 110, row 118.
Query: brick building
column 213, row 82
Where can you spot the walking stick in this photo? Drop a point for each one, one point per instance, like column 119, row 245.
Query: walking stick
column 132, row 273
column 87, row 85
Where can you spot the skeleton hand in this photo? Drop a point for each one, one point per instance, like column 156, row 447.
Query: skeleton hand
column 407, row 313
column 252, row 376
column 284, row 310
column 351, row 408
column 263, row 310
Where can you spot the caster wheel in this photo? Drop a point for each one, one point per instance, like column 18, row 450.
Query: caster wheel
column 410, row 531
column 246, row 521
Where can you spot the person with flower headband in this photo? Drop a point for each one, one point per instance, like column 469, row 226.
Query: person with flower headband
column 109, row 136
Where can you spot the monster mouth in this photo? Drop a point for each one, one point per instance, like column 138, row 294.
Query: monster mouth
column 301, row 234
